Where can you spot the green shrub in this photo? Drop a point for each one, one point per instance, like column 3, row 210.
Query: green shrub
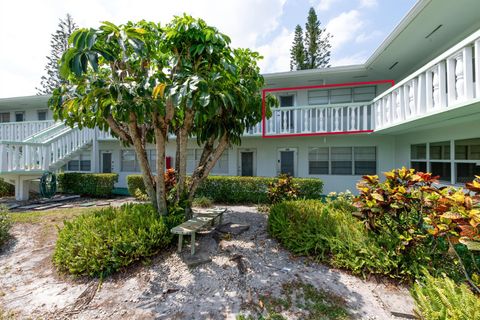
column 202, row 202
column 234, row 190
column 330, row 233
column 5, row 224
column 6, row 189
column 282, row 189
column 88, row 184
column 102, row 242
column 441, row 298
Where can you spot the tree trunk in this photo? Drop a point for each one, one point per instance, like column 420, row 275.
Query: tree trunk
column 160, row 139
column 181, row 161
column 203, row 169
column 141, row 153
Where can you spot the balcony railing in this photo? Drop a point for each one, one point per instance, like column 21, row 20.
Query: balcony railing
column 19, row 131
column 348, row 118
column 444, row 83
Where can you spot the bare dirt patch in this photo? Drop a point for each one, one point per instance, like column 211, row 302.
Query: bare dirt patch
column 245, row 269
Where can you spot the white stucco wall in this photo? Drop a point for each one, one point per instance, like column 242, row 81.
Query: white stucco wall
column 267, row 151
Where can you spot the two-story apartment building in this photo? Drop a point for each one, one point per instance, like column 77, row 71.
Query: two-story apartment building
column 415, row 102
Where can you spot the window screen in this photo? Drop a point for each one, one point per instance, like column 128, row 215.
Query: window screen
column 341, row 160
column 365, row 160
column 318, row 161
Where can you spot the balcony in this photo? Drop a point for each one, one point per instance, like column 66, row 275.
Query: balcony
column 19, row 131
column 448, row 82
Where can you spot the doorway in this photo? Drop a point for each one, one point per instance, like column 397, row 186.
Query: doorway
column 106, row 162
column 247, row 166
column 287, row 161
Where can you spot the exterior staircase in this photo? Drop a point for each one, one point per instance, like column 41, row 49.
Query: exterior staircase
column 45, row 150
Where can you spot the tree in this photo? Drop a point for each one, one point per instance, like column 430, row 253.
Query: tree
column 59, row 44
column 297, row 53
column 144, row 82
column 317, row 43
column 313, row 51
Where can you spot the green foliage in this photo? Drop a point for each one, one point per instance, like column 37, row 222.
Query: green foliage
column 233, row 189
column 330, row 233
column 105, row 241
column 5, row 224
column 440, row 298
column 282, row 189
column 202, row 202
column 6, row 189
column 88, row 184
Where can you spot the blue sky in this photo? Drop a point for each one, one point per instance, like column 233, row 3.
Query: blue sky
column 357, row 26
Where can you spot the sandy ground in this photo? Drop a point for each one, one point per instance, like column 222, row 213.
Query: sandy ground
column 168, row 289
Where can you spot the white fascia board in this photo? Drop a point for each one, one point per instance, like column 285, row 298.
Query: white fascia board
column 320, row 71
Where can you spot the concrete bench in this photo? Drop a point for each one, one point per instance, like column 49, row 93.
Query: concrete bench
column 200, row 219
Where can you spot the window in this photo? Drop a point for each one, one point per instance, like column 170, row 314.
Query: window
column 365, row 160
column 418, row 152
column 341, row 160
column 4, row 117
column 287, row 101
column 440, row 151
column 193, row 158
column 42, row 115
column 221, row 167
column 438, row 161
column 19, row 116
column 82, row 163
column 467, row 158
column 318, row 160
column 318, row 97
column 341, row 95
column 129, row 161
column 361, row 94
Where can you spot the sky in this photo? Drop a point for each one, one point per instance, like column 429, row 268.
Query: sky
column 358, row 27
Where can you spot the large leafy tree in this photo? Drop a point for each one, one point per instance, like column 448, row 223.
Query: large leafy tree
column 58, row 44
column 147, row 84
column 312, row 50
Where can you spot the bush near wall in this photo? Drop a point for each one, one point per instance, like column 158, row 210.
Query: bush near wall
column 6, row 189
column 87, row 184
column 5, row 225
column 104, row 241
column 330, row 233
column 235, row 189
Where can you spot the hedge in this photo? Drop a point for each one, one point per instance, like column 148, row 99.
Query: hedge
column 102, row 242
column 6, row 189
column 235, row 189
column 87, row 184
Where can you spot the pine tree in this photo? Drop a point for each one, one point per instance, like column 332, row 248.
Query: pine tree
column 297, row 53
column 317, row 43
column 59, row 44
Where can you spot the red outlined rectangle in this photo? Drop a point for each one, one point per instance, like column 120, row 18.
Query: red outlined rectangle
column 347, row 84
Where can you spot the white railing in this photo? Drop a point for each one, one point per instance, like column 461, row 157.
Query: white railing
column 444, row 83
column 41, row 156
column 354, row 117
column 19, row 131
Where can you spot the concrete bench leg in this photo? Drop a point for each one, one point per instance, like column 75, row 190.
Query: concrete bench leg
column 180, row 241
column 193, row 243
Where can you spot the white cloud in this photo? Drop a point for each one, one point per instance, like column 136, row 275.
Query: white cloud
column 356, row 58
column 276, row 53
column 324, row 5
column 27, row 32
column 368, row 3
column 344, row 28
column 365, row 37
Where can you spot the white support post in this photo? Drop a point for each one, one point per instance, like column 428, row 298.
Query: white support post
column 95, row 154
column 442, row 78
column 21, row 188
column 477, row 69
column 452, row 96
column 468, row 72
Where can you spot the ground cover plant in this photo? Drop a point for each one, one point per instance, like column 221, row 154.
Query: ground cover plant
column 5, row 225
column 442, row 298
column 6, row 189
column 104, row 241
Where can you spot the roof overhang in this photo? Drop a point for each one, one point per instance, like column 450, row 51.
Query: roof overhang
column 27, row 102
